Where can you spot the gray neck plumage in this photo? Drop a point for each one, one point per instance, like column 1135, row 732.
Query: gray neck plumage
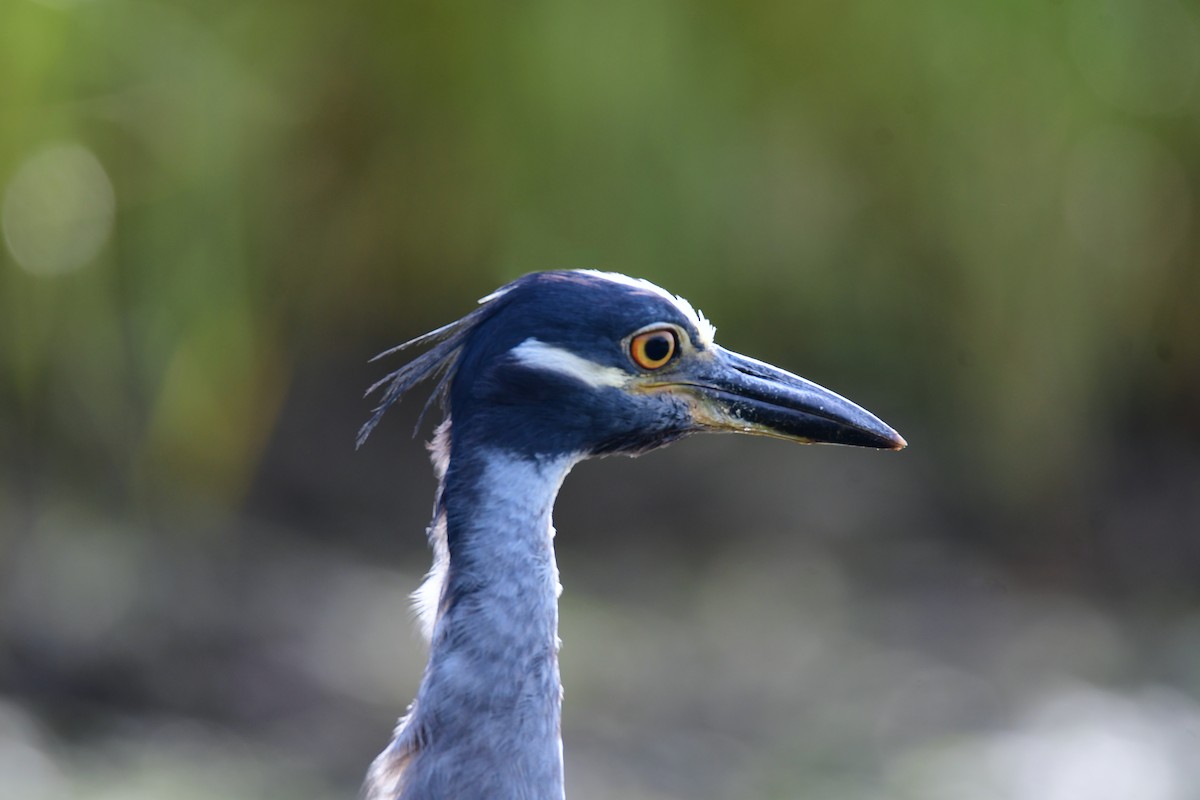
column 486, row 721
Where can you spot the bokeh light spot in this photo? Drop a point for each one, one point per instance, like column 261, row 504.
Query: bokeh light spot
column 27, row 766
column 58, row 210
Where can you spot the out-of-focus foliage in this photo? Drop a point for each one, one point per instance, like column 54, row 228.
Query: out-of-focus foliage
column 980, row 220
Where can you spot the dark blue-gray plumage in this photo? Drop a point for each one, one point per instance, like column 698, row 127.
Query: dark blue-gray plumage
column 551, row 369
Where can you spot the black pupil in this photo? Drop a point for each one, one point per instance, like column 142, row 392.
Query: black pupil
column 658, row 347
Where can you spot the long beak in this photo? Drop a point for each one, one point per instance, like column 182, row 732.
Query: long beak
column 731, row 392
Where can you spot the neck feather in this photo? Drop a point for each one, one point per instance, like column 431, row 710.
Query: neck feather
column 486, row 721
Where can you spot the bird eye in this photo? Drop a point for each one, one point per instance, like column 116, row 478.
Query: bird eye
column 652, row 349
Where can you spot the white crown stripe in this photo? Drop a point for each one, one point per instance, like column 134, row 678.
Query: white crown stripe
column 705, row 328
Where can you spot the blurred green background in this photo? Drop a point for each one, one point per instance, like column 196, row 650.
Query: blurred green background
column 976, row 219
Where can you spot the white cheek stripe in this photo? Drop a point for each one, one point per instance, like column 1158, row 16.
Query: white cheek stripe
column 539, row 355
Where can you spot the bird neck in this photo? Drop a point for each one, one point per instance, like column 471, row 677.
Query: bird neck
column 489, row 707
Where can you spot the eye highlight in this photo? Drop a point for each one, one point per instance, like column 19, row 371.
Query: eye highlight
column 653, row 349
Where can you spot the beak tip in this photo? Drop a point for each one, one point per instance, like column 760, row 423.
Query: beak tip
column 874, row 432
column 878, row 435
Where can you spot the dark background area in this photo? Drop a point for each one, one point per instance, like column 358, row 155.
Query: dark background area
column 977, row 220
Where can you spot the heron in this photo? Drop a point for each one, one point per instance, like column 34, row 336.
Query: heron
column 550, row 369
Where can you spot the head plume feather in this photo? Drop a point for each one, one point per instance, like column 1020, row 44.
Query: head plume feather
column 439, row 362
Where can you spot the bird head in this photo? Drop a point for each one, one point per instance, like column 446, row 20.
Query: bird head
column 584, row 363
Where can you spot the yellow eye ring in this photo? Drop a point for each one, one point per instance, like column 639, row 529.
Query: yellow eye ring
column 653, row 349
